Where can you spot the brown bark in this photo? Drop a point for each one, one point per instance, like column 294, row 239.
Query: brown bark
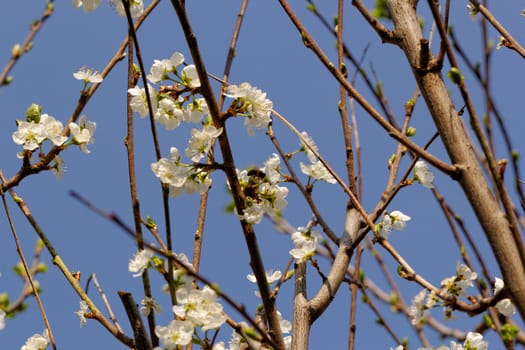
column 461, row 152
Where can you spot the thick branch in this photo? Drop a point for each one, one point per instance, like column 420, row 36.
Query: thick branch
column 461, row 151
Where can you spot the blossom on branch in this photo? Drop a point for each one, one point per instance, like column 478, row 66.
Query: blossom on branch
column 417, row 311
column 88, row 76
column 423, row 175
column 396, row 220
column 305, row 241
column 139, row 101
column 140, row 262
column 37, row 342
column 176, row 333
column 83, row 133
column 504, row 306
column 201, row 141
column 84, row 309
column 457, row 285
column 251, row 103
column 30, row 135
column 181, row 177
column 161, row 68
column 200, row 307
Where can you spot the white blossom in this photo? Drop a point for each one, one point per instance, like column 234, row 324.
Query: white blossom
column 305, row 242
column 199, row 306
column 139, row 102
column 190, row 76
column 271, row 169
column 30, row 135
column 271, row 276
column 176, row 333
column 317, row 171
column 87, row 75
column 37, row 342
column 53, row 129
column 160, row 68
column 474, row 341
column 504, row 306
column 140, row 262
column 168, row 113
column 416, row 311
column 252, row 103
column 457, row 285
column 83, row 133
column 195, row 111
column 84, row 309
column 423, row 175
column 395, row 220
column 201, row 141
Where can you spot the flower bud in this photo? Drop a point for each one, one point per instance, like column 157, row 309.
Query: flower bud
column 33, row 113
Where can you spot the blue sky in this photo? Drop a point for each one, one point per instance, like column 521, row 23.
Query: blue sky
column 271, row 56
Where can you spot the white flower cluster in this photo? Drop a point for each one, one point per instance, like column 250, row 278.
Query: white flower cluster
column 139, row 263
column 456, row 286
column 37, row 342
column 136, row 7
column 473, row 341
column 181, row 177
column 87, row 75
column 315, row 170
column 396, row 220
column 200, row 307
column 305, row 241
column 195, row 308
column 504, row 306
column 262, row 192
column 251, row 103
column 39, row 128
column 168, row 103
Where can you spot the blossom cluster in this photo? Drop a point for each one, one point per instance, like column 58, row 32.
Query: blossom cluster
column 395, row 220
column 38, row 128
column 455, row 286
column 37, row 342
column 174, row 103
column 195, row 308
column 263, row 194
column 181, row 177
column 473, row 341
column 305, row 241
column 251, row 103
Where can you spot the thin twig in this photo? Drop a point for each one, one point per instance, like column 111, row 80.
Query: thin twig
column 28, row 43
column 28, row 274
